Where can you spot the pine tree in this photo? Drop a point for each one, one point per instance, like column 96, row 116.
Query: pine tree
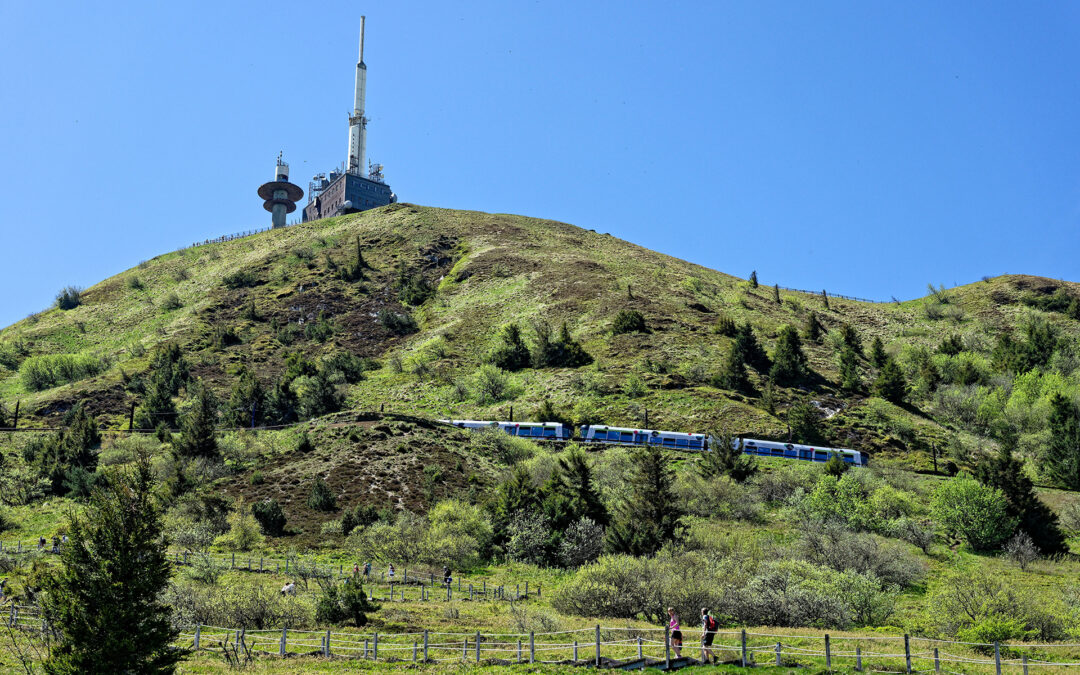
column 890, row 383
column 825, row 299
column 726, row 457
column 319, row 397
column 1006, row 473
column 247, row 401
column 511, row 353
column 768, row 397
column 733, row 373
column 878, row 357
column 105, row 601
column 753, row 279
column 513, row 496
column 805, row 424
column 649, row 516
column 1062, row 455
column 167, row 373
column 789, row 361
column 746, row 343
column 197, row 428
column 281, row 403
column 849, row 371
column 776, row 293
column 1073, row 311
column 571, row 494
column 850, row 337
column 813, row 329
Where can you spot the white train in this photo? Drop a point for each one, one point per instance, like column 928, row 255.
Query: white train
column 676, row 440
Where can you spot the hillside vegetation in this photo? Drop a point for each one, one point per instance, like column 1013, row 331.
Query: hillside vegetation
column 345, row 340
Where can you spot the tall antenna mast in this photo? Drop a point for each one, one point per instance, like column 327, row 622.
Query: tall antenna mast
column 357, row 121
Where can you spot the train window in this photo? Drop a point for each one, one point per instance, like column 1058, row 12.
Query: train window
column 778, row 451
column 669, row 442
column 627, row 437
column 681, row 443
column 820, row 456
column 549, row 433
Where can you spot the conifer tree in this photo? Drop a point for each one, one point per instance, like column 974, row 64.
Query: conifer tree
column 1006, row 473
column 805, row 425
column 890, row 383
column 789, row 361
column 753, row 279
column 319, row 396
column 247, row 401
column 571, row 494
column 878, row 357
column 849, row 371
column 281, row 403
column 733, row 373
column 768, row 397
column 776, row 293
column 649, row 516
column 104, row 601
column 1062, row 454
column 512, row 497
column 850, row 337
column 511, row 353
column 726, row 457
column 197, row 428
column 813, row 329
column 746, row 343
column 825, row 299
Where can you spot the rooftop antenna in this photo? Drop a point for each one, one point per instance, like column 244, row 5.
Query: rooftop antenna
column 357, row 120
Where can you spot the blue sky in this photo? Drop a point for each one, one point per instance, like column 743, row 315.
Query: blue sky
column 867, row 148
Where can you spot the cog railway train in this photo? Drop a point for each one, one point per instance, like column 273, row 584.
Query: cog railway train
column 595, row 433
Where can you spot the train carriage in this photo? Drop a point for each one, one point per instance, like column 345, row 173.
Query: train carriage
column 675, row 440
column 804, row 452
column 550, row 431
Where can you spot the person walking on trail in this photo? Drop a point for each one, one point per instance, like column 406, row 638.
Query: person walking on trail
column 356, row 570
column 709, row 626
column 367, row 570
column 446, row 575
column 676, row 632
column 390, row 573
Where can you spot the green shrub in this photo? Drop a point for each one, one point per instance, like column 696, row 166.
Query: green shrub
column 240, row 279
column 511, row 353
column 492, row 384
column 172, row 301
column 629, row 321
column 271, row 517
column 69, row 297
column 135, row 283
column 725, row 326
column 399, row 323
column 319, row 330
column 974, row 512
column 342, row 602
column 361, row 515
column 50, row 370
column 635, row 387
column 321, row 497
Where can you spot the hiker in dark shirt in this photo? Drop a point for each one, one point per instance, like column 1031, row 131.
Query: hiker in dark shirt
column 709, row 626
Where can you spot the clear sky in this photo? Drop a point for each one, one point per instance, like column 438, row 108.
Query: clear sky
column 863, row 147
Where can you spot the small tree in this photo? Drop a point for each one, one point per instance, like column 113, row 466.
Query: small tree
column 849, row 371
column 321, row 497
column 733, row 373
column 319, row 397
column 726, row 457
column 246, row 405
column 824, row 299
column 789, row 361
column 271, row 517
column 974, row 512
column 104, row 603
column 804, row 422
column 1062, row 455
column 649, row 516
column 890, row 383
column 836, row 466
column 491, row 384
column 749, row 347
column 753, row 279
column 197, row 429
column 69, row 297
column 629, row 321
column 776, row 293
column 1021, row 550
column 725, row 326
column 850, row 337
column 342, row 602
column 511, row 353
column 878, row 357
column 813, row 330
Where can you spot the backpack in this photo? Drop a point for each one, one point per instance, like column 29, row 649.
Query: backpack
column 711, row 624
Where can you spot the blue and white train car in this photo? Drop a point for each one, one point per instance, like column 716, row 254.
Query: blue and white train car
column 551, row 431
column 623, row 436
column 804, row 452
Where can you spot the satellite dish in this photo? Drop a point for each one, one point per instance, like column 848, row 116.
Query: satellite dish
column 348, row 204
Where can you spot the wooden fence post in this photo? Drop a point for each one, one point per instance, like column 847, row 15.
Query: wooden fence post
column 519, row 650
column 828, row 653
column 743, row 641
column 198, row 630
column 284, row 640
column 526, row 590
column 778, row 660
column 414, row 651
column 997, row 657
column 365, row 649
column 465, row 649
column 375, row 647
column 858, row 657
column 575, row 651
column 937, row 661
column 1024, row 658
column 15, row 424
column 532, row 647
column 907, row 651
column 425, row 646
column 328, row 642
column 640, row 655
column 597, row 645
column 478, row 646
column 667, row 647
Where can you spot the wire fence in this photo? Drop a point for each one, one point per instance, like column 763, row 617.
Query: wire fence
column 626, row 648
column 403, row 586
column 836, row 295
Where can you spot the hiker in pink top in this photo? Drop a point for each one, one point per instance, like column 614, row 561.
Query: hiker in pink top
column 676, row 632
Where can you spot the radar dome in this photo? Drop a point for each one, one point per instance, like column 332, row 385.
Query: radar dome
column 348, row 204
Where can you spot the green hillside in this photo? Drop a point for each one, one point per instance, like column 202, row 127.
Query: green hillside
column 250, row 302
column 346, row 340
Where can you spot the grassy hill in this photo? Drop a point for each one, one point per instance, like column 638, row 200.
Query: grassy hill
column 250, row 302
column 383, row 321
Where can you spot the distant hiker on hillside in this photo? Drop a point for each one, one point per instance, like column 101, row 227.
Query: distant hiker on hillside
column 446, row 575
column 676, row 632
column 367, row 570
column 356, row 570
column 709, row 626
column 390, row 573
